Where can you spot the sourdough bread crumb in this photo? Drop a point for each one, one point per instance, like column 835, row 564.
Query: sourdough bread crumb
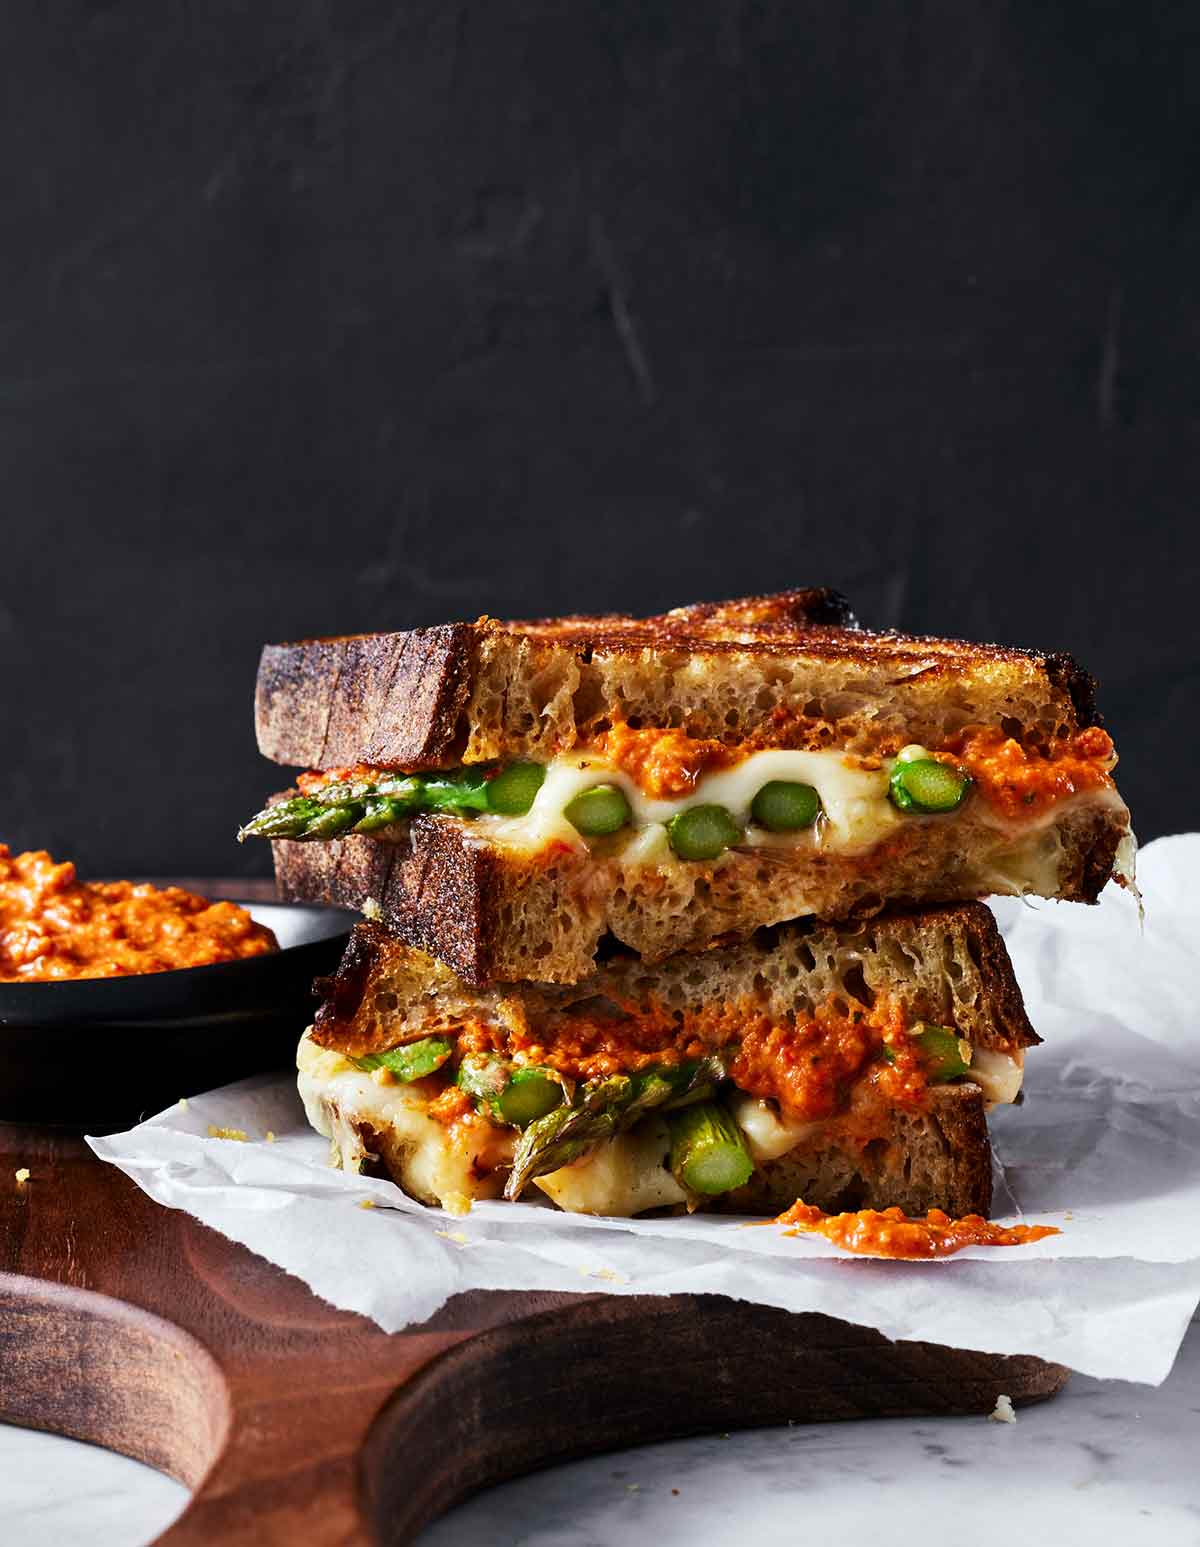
column 497, row 915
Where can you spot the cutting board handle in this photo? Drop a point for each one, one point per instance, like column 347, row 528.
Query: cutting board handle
column 348, row 1447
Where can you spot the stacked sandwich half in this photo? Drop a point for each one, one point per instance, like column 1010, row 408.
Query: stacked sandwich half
column 680, row 911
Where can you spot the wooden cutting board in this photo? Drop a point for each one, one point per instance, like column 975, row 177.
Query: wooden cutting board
column 135, row 1327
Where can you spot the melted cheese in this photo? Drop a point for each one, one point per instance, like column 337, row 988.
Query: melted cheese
column 856, row 814
column 624, row 1177
column 857, row 811
column 768, row 1133
column 998, row 1075
column 436, row 1162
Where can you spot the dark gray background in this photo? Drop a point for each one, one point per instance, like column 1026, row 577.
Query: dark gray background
column 328, row 317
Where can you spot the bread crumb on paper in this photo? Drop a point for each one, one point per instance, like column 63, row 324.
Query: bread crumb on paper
column 366, row 1203
column 183, row 1103
column 456, row 1236
column 22, row 1176
column 1003, row 1410
column 609, row 1275
column 237, row 1134
column 270, row 1137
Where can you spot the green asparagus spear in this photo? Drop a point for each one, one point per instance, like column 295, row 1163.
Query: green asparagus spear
column 927, row 786
column 516, row 1094
column 402, row 787
column 412, row 1061
column 344, row 792
column 464, row 789
column 283, row 820
column 945, row 1054
column 333, row 820
column 379, row 811
column 369, row 804
column 702, row 832
column 672, row 1085
column 599, row 811
column 514, row 789
column 603, row 1108
column 784, row 806
column 708, row 1152
column 563, row 1135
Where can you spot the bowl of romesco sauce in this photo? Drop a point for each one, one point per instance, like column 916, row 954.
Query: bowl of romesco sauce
column 118, row 997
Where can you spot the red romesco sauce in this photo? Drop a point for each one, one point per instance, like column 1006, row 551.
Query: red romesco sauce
column 316, row 779
column 53, row 926
column 812, row 1068
column 664, row 763
column 892, row 1233
column 1021, row 781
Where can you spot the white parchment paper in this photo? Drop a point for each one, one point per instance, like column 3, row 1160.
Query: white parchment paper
column 1106, row 1146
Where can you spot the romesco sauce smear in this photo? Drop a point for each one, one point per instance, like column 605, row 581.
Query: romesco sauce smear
column 1022, row 782
column 894, row 1234
column 54, row 927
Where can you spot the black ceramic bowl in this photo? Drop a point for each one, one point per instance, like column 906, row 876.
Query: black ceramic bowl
column 97, row 1054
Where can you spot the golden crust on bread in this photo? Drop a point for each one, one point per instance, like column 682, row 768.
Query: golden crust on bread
column 786, row 670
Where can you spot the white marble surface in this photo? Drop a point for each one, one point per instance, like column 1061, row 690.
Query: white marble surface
column 1103, row 1462
column 59, row 1493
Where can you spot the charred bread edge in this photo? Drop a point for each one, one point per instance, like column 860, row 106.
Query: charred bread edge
column 425, row 671
column 428, row 672
column 432, row 887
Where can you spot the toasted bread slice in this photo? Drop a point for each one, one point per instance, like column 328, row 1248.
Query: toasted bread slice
column 790, row 670
column 936, row 1159
column 867, row 1146
column 493, row 913
column 948, row 965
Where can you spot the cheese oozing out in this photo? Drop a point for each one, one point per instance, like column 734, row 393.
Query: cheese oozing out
column 856, row 811
column 1003, row 857
column 363, row 1119
column 622, row 1177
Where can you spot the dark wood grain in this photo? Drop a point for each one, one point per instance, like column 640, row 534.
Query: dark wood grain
column 135, row 1327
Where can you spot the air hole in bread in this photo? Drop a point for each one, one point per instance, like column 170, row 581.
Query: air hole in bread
column 608, row 946
column 954, row 968
column 856, row 984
